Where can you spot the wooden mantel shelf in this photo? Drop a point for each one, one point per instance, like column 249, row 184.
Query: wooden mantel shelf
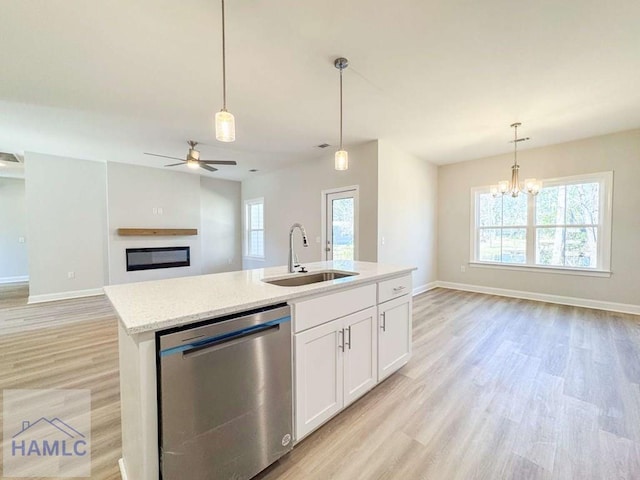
column 144, row 232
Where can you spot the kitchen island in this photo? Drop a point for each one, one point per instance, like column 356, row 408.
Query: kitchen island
column 373, row 303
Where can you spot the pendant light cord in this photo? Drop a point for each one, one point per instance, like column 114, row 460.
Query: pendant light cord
column 224, row 66
column 515, row 145
column 341, row 108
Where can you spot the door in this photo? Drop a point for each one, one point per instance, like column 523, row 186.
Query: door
column 360, row 354
column 394, row 335
column 341, row 224
column 319, row 375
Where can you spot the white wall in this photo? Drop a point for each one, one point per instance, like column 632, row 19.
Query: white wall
column 619, row 152
column 66, row 225
column 13, row 226
column 134, row 193
column 407, row 212
column 294, row 195
column 186, row 201
column 220, row 220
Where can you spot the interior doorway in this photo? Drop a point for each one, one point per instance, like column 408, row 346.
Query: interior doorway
column 340, row 223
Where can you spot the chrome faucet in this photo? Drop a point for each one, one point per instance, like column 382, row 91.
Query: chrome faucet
column 292, row 255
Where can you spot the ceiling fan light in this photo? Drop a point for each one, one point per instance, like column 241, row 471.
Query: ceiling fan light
column 225, row 126
column 192, row 163
column 342, row 160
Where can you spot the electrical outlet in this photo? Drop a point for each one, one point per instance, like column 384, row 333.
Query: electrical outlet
column 463, row 268
column 20, row 239
column 71, row 275
column 160, row 211
column 382, row 240
column 154, row 210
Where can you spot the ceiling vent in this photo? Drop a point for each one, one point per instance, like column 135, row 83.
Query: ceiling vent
column 9, row 157
column 323, row 145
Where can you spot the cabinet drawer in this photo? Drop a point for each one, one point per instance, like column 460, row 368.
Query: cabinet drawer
column 322, row 309
column 396, row 287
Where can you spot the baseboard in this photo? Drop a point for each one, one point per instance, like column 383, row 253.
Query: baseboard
column 52, row 297
column 123, row 472
column 20, row 279
column 544, row 297
column 424, row 288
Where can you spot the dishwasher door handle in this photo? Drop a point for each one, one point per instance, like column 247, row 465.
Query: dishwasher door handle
column 217, row 343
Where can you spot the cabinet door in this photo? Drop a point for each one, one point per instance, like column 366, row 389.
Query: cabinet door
column 360, row 354
column 394, row 335
column 319, row 375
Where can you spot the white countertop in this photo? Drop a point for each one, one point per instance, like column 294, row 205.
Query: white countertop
column 161, row 304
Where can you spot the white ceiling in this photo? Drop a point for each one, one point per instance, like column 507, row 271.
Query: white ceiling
column 442, row 79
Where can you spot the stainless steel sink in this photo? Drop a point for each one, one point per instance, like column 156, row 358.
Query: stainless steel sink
column 308, row 278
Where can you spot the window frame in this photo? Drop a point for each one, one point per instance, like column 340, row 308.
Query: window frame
column 247, row 229
column 603, row 269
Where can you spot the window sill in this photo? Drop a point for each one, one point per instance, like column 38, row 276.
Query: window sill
column 254, row 259
column 540, row 269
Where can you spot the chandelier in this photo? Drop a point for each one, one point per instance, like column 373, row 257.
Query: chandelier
column 514, row 187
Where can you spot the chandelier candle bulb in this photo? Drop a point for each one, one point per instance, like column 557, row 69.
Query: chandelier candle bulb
column 503, row 186
column 494, row 190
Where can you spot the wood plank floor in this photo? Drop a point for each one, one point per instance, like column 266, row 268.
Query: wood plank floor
column 497, row 388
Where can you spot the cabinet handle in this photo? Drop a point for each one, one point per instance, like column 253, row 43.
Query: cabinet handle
column 399, row 289
column 341, row 340
column 349, row 343
column 383, row 326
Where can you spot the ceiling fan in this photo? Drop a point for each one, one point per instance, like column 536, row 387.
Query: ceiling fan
column 193, row 159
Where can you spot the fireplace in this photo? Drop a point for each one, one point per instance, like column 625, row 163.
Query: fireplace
column 162, row 257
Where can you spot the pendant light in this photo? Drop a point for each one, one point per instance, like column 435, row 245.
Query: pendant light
column 513, row 187
column 225, row 123
column 342, row 157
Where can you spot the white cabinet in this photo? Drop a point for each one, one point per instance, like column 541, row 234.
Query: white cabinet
column 335, row 363
column 394, row 335
column 345, row 343
column 360, row 354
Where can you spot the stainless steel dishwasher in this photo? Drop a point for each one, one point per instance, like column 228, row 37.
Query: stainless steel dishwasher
column 225, row 399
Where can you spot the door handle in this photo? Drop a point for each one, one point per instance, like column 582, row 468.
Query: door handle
column 228, row 341
column 399, row 289
column 349, row 342
column 341, row 339
column 383, row 325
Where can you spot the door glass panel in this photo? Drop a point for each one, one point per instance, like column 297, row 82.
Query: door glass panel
column 343, row 229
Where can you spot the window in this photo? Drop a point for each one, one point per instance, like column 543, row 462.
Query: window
column 567, row 226
column 254, row 228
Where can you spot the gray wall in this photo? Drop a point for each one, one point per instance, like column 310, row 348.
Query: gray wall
column 294, row 195
column 13, row 226
column 407, row 212
column 66, row 224
column 619, row 152
column 221, row 226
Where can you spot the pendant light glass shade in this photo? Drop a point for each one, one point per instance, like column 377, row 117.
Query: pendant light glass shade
column 225, row 123
column 342, row 157
column 225, row 126
column 342, row 160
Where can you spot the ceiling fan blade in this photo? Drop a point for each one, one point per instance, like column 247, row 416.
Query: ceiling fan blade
column 174, row 164
column 219, row 162
column 208, row 168
column 163, row 156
